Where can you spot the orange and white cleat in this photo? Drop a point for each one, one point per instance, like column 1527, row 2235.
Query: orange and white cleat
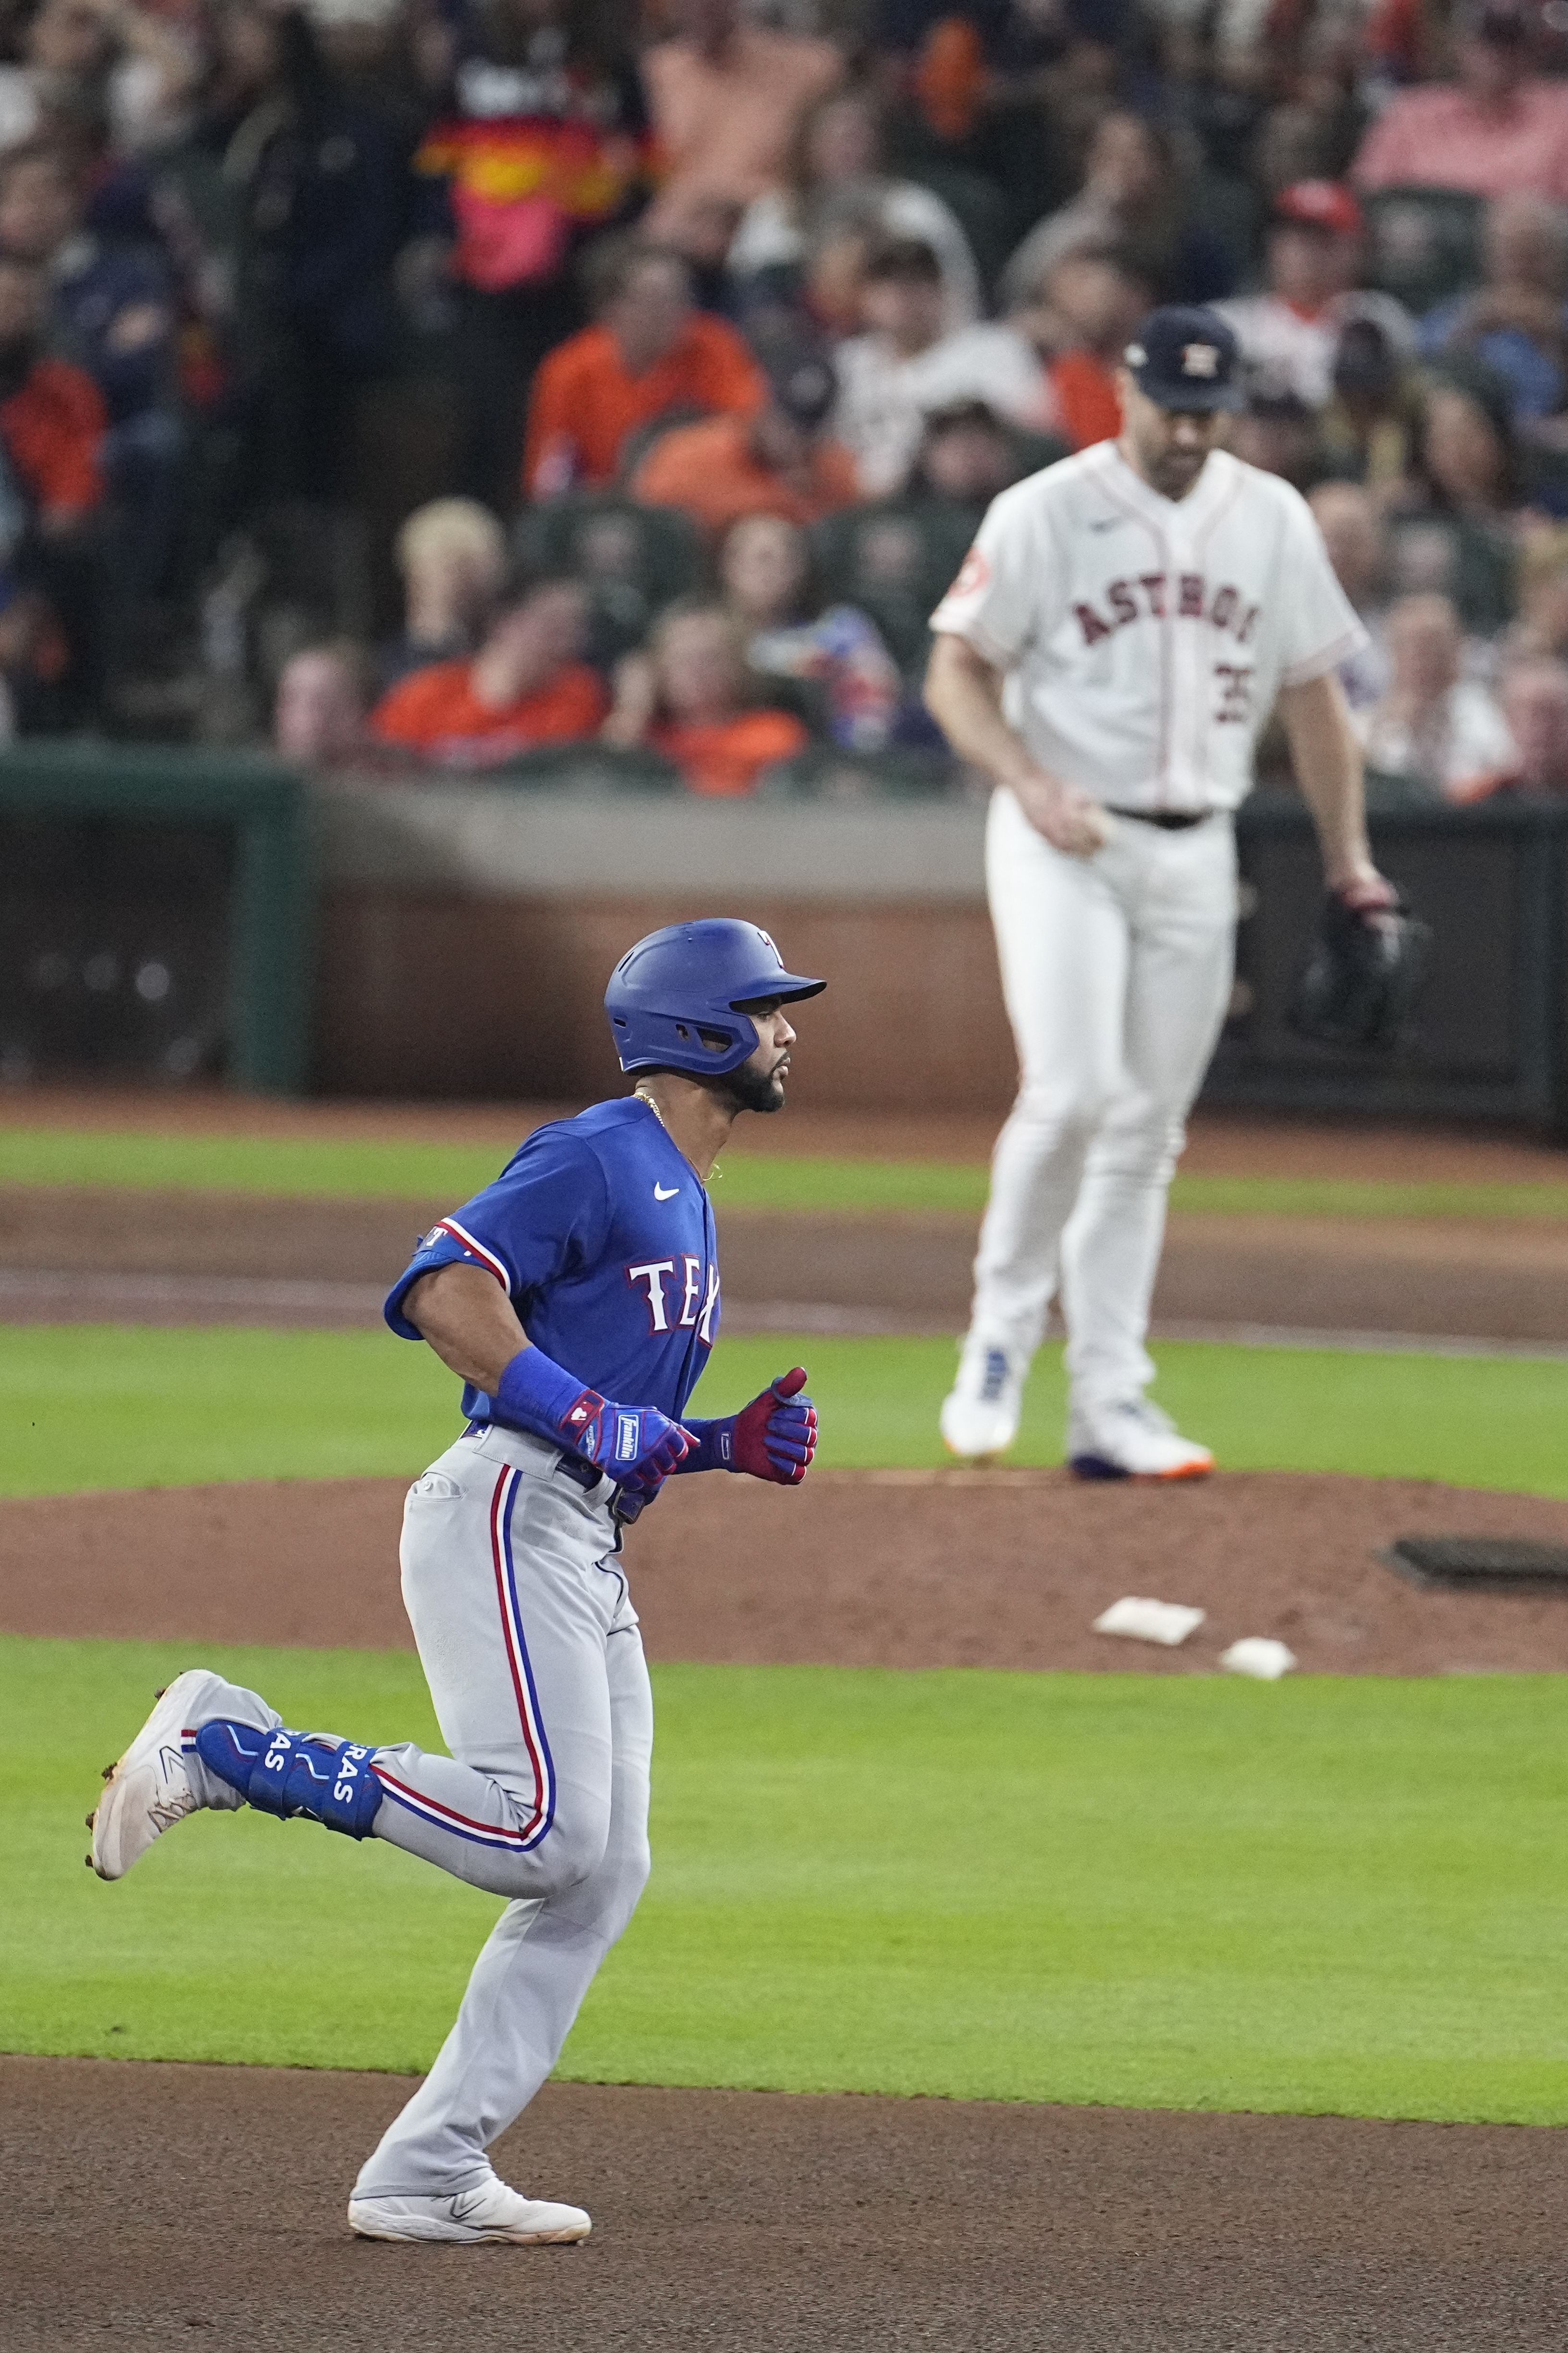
column 1133, row 1439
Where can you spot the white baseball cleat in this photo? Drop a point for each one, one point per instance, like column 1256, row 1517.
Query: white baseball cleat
column 492, row 2212
column 979, row 1414
column 149, row 1789
column 1133, row 1439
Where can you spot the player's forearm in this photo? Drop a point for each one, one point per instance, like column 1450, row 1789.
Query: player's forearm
column 469, row 1322
column 1327, row 764
column 963, row 695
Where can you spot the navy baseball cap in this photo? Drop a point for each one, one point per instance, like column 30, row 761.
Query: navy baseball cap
column 1185, row 357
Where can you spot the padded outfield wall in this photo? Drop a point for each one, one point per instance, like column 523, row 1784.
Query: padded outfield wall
column 184, row 916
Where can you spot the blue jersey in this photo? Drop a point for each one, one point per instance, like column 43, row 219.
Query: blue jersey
column 601, row 1233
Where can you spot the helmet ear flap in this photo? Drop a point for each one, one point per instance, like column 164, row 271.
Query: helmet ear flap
column 670, row 1041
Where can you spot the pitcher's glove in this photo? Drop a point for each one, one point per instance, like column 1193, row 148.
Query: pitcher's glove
column 773, row 1438
column 1364, row 972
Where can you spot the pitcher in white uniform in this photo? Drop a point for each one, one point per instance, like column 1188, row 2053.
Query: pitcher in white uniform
column 1118, row 636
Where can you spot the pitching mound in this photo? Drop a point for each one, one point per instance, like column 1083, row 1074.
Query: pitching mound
column 869, row 1568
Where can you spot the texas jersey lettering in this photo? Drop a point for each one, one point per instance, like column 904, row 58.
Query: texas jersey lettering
column 1146, row 639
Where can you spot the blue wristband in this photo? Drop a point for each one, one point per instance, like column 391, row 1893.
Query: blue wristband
column 536, row 1394
column 713, row 1444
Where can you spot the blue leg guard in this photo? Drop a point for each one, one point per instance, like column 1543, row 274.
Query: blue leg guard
column 288, row 1773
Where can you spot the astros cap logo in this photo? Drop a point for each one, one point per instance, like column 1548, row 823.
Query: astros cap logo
column 1200, row 359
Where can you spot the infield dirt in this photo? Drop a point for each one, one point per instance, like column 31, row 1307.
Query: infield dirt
column 898, row 1568
column 167, row 2206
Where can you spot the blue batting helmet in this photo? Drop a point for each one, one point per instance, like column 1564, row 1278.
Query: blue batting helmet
column 673, row 999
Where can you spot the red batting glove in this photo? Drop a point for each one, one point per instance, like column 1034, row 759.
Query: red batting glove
column 775, row 1435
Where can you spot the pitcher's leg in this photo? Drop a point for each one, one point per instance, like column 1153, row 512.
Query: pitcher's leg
column 1062, row 943
column 528, row 1981
column 1179, row 980
column 1062, row 946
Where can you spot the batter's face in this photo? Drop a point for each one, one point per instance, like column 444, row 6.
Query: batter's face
column 759, row 1083
column 1169, row 447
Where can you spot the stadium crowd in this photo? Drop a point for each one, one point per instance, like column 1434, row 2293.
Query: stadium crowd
column 430, row 384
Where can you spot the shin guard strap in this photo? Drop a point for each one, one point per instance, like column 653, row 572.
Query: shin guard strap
column 287, row 1773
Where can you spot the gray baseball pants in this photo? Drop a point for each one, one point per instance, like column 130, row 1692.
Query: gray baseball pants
column 531, row 1651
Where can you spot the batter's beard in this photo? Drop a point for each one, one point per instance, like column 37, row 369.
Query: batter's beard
column 751, row 1090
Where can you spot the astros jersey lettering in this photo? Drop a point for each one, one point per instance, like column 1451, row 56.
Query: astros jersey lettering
column 1145, row 638
column 602, row 1238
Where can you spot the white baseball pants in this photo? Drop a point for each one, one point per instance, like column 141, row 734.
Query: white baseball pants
column 531, row 1651
column 1116, row 970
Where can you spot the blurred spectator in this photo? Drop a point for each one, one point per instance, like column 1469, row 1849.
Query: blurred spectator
column 90, row 62
column 1277, row 433
column 52, row 423
column 541, row 143
column 1088, row 307
column 1139, row 194
column 1468, row 460
column 905, row 365
column 452, row 555
column 1515, row 323
column 808, row 237
column 764, row 571
column 968, row 455
column 113, row 312
column 52, row 417
column 1542, row 628
column 1497, row 131
column 1368, row 431
column 727, row 97
column 650, row 355
column 1432, row 727
column 327, row 205
column 690, row 697
column 780, row 462
column 1534, row 699
column 526, row 685
column 1288, row 333
column 319, row 713
column 1357, row 541
column 1453, row 524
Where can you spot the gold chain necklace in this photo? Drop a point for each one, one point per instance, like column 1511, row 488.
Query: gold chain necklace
column 643, row 1096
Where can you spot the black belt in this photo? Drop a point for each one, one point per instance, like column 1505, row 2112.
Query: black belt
column 624, row 1505
column 1168, row 820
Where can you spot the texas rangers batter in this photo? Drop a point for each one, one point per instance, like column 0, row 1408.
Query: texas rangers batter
column 1117, row 637
column 587, row 1273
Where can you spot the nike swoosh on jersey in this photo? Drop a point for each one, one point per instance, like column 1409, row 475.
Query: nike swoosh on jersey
column 1107, row 523
column 665, row 1192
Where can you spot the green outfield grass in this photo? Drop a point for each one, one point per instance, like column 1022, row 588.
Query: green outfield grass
column 1346, row 1897
column 106, row 1406
column 447, row 1175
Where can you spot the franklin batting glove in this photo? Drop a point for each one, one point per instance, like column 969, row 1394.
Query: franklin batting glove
column 535, row 1394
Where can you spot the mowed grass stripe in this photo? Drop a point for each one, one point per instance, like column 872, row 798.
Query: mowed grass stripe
column 300, row 1168
column 1348, row 1897
column 94, row 1406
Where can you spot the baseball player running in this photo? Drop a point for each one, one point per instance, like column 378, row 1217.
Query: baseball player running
column 1117, row 637
column 577, row 1298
